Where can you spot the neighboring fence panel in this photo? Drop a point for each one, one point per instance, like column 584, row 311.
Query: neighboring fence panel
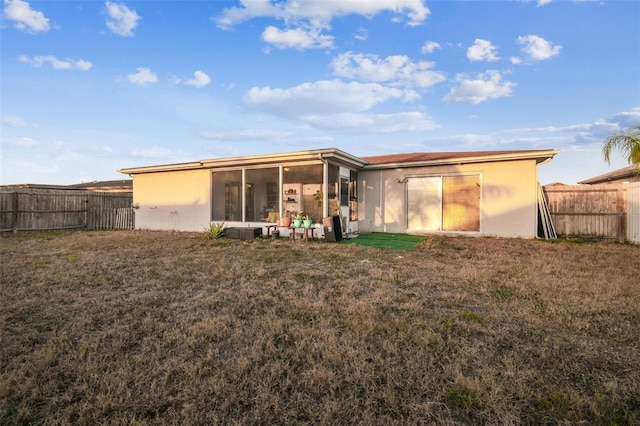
column 588, row 210
column 633, row 212
column 31, row 209
column 110, row 210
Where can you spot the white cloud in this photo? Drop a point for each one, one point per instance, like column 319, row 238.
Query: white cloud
column 122, row 20
column 31, row 168
column 306, row 20
column 200, row 79
column 396, row 69
column 13, row 121
column 25, row 18
column 56, row 149
column 143, row 76
column 338, row 106
column 23, row 142
column 362, row 34
column 430, row 46
column 538, row 49
column 628, row 118
column 296, row 38
column 353, row 123
column 324, row 97
column 482, row 50
column 485, row 86
column 161, row 154
column 320, row 11
column 250, row 9
column 248, row 135
column 581, row 133
column 153, row 152
column 57, row 64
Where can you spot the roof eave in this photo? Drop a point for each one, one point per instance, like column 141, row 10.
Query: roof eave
column 161, row 168
column 541, row 157
column 288, row 157
column 254, row 160
column 624, row 173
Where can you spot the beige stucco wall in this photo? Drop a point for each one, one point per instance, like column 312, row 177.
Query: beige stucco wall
column 179, row 200
column 508, row 200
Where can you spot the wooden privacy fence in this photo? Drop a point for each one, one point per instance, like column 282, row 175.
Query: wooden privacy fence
column 31, row 209
column 604, row 211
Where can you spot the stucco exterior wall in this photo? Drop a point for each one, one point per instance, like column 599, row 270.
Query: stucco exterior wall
column 177, row 200
column 508, row 197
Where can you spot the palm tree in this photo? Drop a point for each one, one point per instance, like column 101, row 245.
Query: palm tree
column 627, row 142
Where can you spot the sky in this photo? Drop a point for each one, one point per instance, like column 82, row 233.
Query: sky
column 91, row 87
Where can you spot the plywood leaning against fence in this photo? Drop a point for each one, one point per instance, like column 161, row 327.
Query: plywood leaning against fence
column 546, row 221
column 30, row 209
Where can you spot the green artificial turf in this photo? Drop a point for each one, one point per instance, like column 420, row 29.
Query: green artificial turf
column 385, row 240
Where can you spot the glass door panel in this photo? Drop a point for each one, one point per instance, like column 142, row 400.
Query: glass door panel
column 424, row 198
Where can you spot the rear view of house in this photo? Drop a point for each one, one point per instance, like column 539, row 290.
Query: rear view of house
column 477, row 193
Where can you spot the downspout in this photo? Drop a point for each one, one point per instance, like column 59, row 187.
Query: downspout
column 280, row 190
column 382, row 206
column 325, row 185
column 242, row 198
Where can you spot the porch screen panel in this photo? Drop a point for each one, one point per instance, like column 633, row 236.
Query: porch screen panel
column 333, row 181
column 226, row 197
column 353, row 195
column 461, row 203
column 424, row 200
column 261, row 194
column 306, row 180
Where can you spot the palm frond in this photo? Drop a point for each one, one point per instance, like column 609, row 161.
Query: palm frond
column 626, row 141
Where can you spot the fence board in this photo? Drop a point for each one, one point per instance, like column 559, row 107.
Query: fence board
column 633, row 212
column 34, row 209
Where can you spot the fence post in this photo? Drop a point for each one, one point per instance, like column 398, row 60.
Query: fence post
column 15, row 212
column 89, row 219
column 622, row 229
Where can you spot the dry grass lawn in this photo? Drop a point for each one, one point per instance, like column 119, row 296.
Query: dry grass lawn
column 169, row 328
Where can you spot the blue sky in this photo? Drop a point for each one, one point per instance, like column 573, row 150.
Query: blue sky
column 90, row 87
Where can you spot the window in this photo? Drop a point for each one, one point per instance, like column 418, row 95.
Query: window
column 444, row 203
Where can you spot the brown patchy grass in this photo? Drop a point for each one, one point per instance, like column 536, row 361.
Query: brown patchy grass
column 169, row 328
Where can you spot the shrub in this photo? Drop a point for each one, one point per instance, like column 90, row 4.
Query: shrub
column 215, row 230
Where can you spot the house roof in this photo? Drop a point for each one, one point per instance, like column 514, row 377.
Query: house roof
column 106, row 185
column 616, row 175
column 370, row 162
column 251, row 160
column 443, row 158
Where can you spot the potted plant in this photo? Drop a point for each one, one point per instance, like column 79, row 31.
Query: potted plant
column 286, row 219
column 297, row 220
column 307, row 220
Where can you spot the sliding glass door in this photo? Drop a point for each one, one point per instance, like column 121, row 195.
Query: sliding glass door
column 443, row 203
